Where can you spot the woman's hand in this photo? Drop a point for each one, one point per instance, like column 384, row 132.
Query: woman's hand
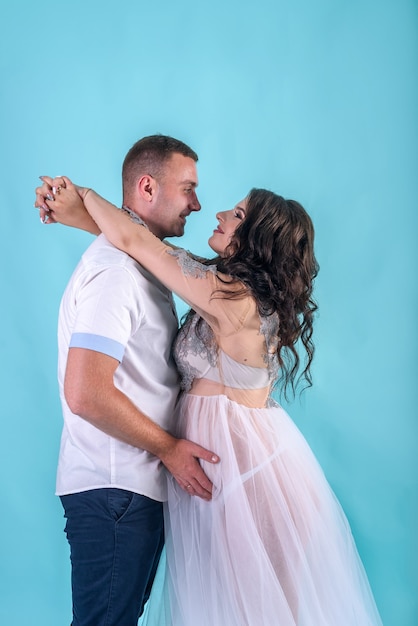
column 60, row 201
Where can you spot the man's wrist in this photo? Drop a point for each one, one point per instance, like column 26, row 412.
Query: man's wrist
column 164, row 446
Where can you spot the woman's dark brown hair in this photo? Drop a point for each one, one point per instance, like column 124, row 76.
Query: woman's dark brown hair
column 272, row 254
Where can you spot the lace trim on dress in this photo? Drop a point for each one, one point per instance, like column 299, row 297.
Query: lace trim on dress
column 134, row 217
column 199, row 342
column 269, row 327
column 190, row 339
column 189, row 265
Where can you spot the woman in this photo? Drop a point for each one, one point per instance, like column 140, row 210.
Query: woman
column 273, row 546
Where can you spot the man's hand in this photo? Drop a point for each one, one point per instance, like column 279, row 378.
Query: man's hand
column 182, row 461
column 91, row 394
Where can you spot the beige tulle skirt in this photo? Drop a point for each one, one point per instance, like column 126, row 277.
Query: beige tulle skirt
column 273, row 547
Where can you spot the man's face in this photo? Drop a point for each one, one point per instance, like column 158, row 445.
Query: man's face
column 176, row 196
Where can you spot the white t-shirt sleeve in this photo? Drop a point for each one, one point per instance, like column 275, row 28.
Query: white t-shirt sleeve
column 105, row 321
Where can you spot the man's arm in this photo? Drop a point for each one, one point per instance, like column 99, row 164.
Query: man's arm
column 90, row 393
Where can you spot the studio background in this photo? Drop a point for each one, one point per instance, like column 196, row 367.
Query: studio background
column 314, row 100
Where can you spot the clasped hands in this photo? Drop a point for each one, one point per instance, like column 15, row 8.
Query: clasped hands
column 60, row 201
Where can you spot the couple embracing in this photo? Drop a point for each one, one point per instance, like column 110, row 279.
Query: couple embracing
column 254, row 535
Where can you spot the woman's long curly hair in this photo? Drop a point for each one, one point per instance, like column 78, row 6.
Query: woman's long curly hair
column 272, row 254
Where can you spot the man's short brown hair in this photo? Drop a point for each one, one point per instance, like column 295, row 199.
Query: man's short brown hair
column 148, row 156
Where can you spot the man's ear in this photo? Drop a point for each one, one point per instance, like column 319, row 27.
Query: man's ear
column 147, row 187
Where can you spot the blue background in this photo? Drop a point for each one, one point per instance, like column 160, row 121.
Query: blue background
column 315, row 100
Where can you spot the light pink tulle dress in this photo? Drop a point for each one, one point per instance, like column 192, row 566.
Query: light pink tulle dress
column 273, row 547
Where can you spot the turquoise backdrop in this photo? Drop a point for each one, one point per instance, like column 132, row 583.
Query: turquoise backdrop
column 315, row 100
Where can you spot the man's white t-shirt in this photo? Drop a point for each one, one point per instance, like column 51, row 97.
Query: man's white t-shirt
column 114, row 306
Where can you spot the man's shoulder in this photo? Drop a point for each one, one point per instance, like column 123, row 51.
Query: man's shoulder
column 102, row 250
column 101, row 253
column 102, row 256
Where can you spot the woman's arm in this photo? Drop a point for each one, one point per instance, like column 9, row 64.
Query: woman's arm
column 178, row 271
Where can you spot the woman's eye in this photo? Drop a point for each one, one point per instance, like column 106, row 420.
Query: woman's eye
column 238, row 214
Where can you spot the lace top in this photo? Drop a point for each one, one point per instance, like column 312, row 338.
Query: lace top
column 197, row 359
column 198, row 354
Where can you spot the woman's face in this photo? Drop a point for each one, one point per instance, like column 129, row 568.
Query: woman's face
column 227, row 224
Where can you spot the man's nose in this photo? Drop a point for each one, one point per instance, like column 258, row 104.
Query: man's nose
column 195, row 204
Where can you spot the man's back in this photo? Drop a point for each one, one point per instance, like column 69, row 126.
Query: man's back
column 112, row 305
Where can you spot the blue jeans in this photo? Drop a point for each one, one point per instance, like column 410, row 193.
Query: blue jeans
column 115, row 538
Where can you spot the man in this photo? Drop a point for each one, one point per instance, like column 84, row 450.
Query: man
column 118, row 387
